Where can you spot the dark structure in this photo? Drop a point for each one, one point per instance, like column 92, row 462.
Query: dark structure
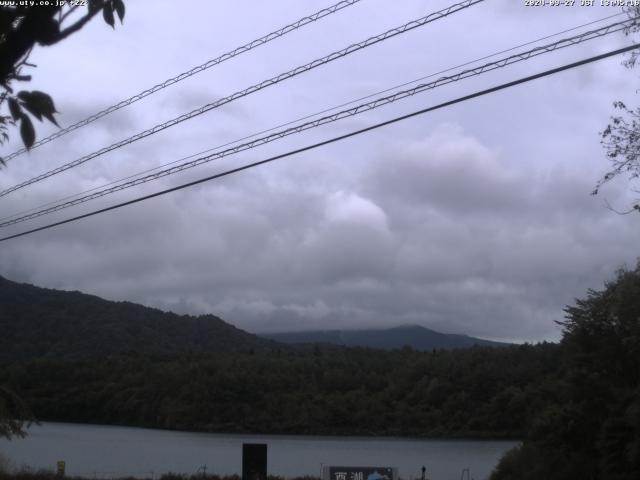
column 254, row 461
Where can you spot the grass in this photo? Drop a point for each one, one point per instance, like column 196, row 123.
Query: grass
column 25, row 474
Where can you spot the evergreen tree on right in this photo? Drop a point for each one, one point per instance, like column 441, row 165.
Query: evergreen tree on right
column 592, row 430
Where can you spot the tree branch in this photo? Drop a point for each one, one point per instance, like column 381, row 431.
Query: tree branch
column 67, row 13
column 35, row 25
column 76, row 26
column 609, row 207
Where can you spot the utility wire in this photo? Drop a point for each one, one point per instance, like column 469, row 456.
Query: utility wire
column 259, row 86
column 306, row 117
column 255, row 134
column 193, row 71
column 334, row 139
column 364, row 107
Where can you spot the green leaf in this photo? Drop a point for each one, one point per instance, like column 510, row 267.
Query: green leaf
column 119, row 7
column 107, row 14
column 45, row 104
column 39, row 104
column 44, row 100
column 14, row 108
column 51, row 118
column 33, row 111
column 27, row 131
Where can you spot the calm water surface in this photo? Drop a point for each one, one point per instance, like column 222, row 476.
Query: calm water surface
column 104, row 451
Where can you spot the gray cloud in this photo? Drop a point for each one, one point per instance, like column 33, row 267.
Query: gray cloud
column 475, row 219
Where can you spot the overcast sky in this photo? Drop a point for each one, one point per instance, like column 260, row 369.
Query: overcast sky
column 473, row 219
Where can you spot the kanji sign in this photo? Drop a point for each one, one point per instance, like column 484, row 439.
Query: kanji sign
column 358, row 473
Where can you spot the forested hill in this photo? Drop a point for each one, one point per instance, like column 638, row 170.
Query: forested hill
column 40, row 322
column 419, row 338
column 475, row 392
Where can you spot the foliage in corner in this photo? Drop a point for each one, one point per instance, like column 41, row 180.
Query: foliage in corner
column 621, row 138
column 23, row 27
column 592, row 430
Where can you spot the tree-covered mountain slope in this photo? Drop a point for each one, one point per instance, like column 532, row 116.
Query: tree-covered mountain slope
column 40, row 322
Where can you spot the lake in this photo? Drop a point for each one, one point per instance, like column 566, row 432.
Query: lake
column 104, row 451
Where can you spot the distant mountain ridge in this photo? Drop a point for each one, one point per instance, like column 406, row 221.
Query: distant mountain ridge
column 415, row 336
column 41, row 322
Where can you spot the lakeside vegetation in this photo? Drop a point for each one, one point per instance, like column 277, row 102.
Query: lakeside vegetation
column 50, row 475
column 480, row 392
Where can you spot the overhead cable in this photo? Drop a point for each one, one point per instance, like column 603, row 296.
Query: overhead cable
column 361, row 108
column 248, row 91
column 306, row 117
column 331, row 140
column 193, row 71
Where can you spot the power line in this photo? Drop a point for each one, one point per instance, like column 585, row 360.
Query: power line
column 193, row 71
column 264, row 84
column 334, row 139
column 501, row 63
column 291, row 122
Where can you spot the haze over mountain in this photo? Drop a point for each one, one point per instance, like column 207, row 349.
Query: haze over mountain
column 415, row 336
column 41, row 322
